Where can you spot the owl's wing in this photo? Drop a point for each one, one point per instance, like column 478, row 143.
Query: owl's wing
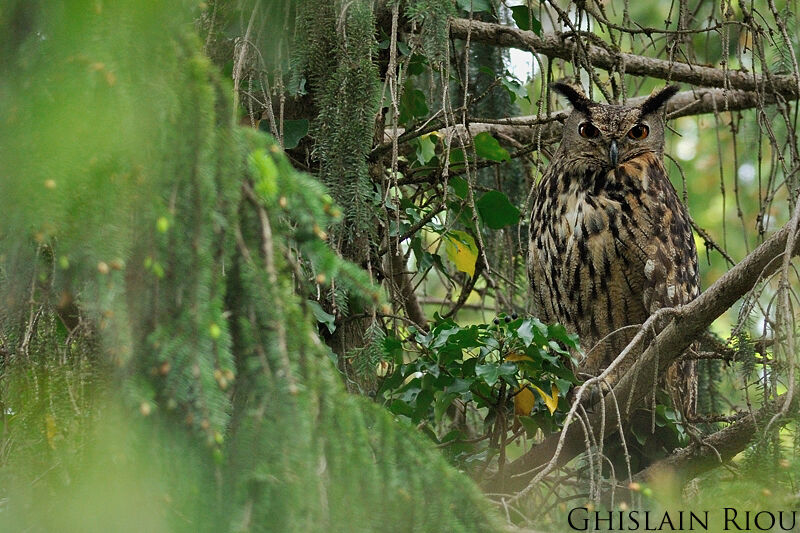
column 542, row 249
column 670, row 272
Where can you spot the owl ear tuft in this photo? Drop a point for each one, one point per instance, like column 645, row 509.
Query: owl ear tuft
column 575, row 96
column 658, row 98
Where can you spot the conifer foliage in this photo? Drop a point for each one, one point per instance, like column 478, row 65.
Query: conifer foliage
column 159, row 370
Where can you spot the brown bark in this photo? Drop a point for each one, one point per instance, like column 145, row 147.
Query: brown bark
column 405, row 289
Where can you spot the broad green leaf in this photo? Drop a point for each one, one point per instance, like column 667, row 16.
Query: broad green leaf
column 563, row 387
column 487, row 147
column 558, row 332
column 426, row 149
column 449, row 353
column 530, row 425
column 423, row 403
column 489, row 372
column 393, row 347
column 293, row 131
column 322, row 316
column 459, row 185
column 526, row 20
column 459, row 385
column 525, row 332
column 412, row 105
column 456, row 159
column 416, row 64
column 466, row 338
column 442, row 336
column 443, row 401
column 496, row 210
column 516, row 90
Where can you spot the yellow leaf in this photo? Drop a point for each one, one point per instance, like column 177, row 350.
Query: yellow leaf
column 517, row 357
column 550, row 401
column 523, row 402
column 462, row 251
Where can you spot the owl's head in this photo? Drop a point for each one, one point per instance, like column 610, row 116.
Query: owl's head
column 608, row 135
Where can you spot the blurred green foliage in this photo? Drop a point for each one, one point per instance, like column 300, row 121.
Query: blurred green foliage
column 159, row 371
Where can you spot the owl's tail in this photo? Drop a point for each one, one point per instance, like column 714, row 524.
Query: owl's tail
column 682, row 385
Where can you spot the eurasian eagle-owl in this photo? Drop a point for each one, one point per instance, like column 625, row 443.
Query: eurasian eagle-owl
column 610, row 241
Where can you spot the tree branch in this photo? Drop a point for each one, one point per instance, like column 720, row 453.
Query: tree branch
column 718, row 447
column 525, row 129
column 563, row 47
column 691, row 320
column 405, row 289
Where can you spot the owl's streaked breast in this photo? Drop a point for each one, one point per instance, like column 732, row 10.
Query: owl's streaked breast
column 593, row 239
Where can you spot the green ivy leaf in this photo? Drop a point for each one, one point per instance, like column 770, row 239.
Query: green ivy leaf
column 417, row 64
column 426, row 149
column 496, row 210
column 459, row 185
column 491, row 372
column 530, row 425
column 443, row 336
column 558, row 332
column 322, row 316
column 522, row 15
column 443, row 401
column 457, row 160
column 459, row 385
column 293, row 131
column 412, row 105
column 515, row 90
column 393, row 347
column 487, row 147
column 525, row 332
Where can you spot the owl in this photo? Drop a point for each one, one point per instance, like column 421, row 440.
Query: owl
column 610, row 242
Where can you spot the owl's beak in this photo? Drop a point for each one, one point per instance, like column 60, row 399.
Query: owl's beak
column 613, row 153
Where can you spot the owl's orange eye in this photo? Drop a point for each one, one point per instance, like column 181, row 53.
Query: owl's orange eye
column 639, row 132
column 588, row 130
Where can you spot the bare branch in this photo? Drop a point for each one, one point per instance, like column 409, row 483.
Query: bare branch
column 722, row 445
column 525, row 129
column 560, row 46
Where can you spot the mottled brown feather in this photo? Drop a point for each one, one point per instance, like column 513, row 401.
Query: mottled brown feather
column 610, row 246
